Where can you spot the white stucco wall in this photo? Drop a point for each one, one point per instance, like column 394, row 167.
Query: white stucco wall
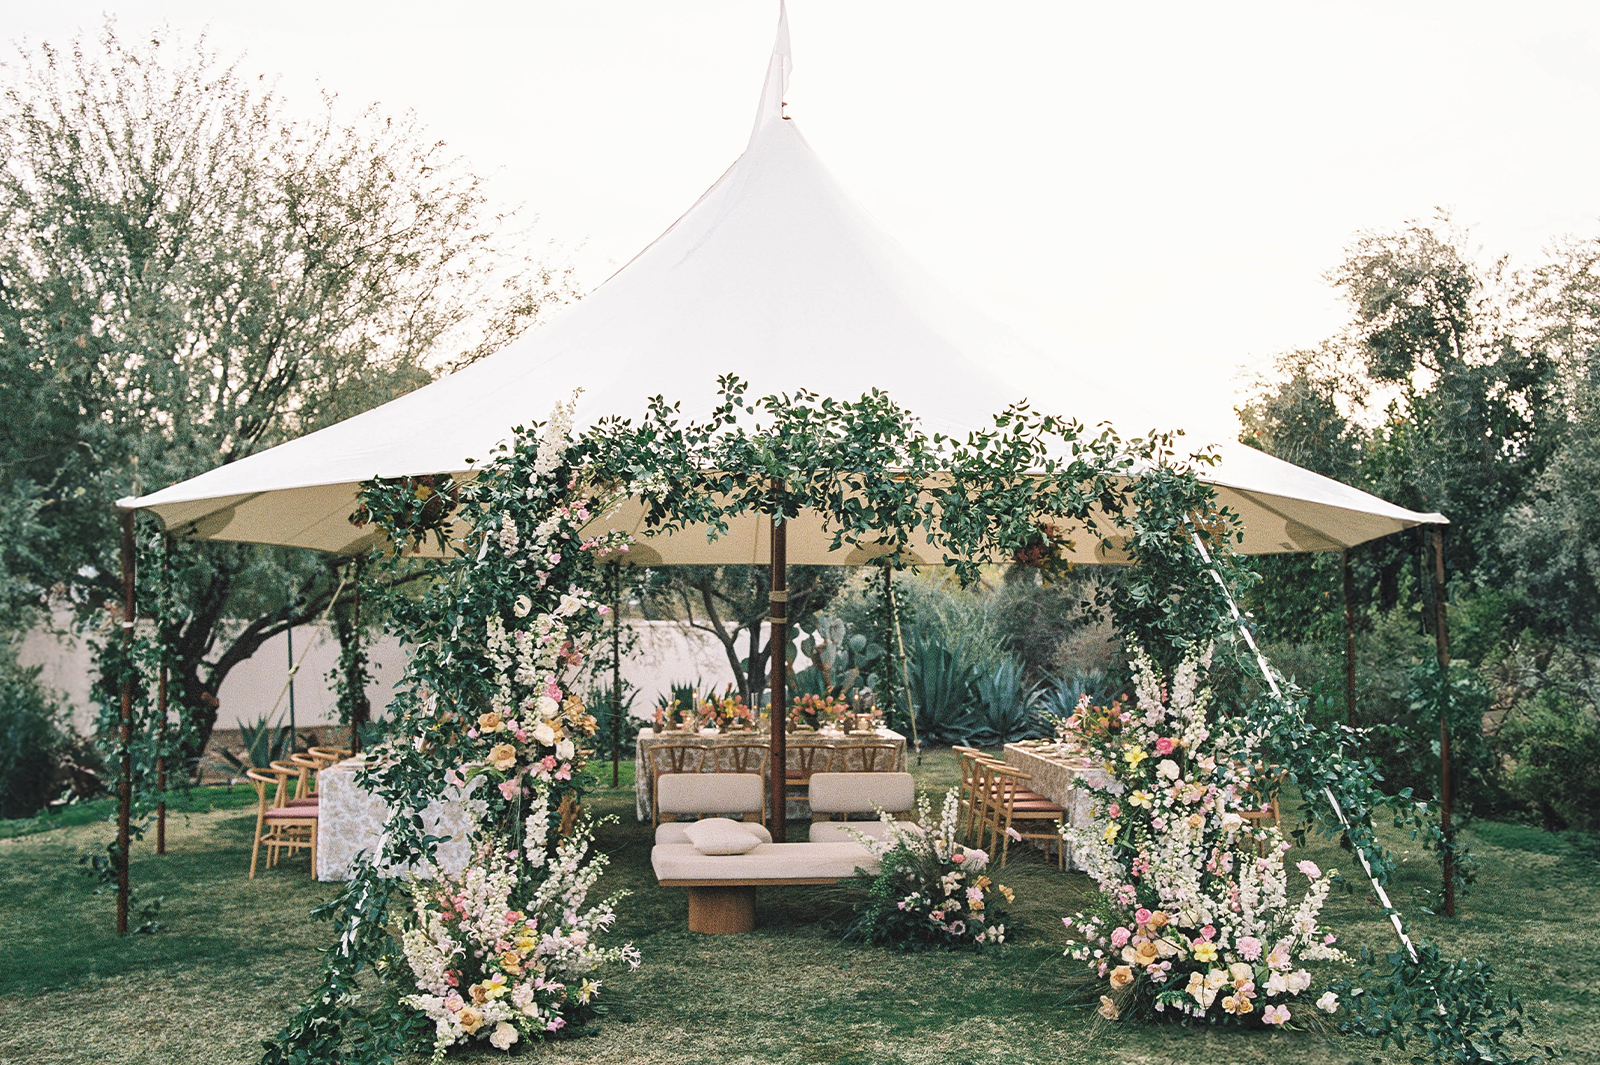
column 664, row 654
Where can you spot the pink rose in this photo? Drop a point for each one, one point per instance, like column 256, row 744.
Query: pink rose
column 1208, row 933
column 1164, row 745
column 1141, row 916
column 1119, row 937
column 958, row 857
column 1310, row 869
column 1114, row 810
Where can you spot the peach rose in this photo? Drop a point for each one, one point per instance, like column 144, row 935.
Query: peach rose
column 471, row 1020
column 490, row 722
column 503, row 756
column 1121, row 977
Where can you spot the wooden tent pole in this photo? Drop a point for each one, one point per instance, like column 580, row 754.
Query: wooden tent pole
column 161, row 702
column 1349, row 640
column 778, row 652
column 616, row 674
column 125, row 773
column 1441, row 636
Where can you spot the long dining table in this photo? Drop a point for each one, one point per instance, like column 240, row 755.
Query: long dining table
column 843, row 756
column 1058, row 771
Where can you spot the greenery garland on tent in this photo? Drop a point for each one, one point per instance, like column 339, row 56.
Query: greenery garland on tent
column 509, row 612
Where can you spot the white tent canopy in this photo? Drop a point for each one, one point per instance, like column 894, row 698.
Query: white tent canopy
column 774, row 275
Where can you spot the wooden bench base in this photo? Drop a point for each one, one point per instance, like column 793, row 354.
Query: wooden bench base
column 718, row 909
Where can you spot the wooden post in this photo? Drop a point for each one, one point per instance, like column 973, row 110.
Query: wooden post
column 359, row 709
column 778, row 652
column 161, row 704
column 1349, row 640
column 1441, row 637
column 616, row 675
column 125, row 773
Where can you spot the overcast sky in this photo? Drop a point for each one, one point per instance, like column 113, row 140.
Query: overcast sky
column 1156, row 189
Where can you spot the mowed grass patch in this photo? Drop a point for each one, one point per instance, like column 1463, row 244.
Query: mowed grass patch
column 236, row 957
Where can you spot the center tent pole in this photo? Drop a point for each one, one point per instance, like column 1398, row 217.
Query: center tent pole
column 778, row 651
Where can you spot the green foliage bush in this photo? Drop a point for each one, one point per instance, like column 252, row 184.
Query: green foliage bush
column 1552, row 744
column 39, row 756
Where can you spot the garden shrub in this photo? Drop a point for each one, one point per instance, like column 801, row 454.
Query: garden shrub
column 1553, row 744
column 39, row 757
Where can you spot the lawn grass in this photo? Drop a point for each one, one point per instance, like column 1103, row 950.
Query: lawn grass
column 236, row 956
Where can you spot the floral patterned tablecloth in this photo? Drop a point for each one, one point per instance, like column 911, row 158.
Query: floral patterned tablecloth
column 350, row 820
column 797, row 809
column 1054, row 770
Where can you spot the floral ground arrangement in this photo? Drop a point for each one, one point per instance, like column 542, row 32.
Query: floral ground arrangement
column 235, row 957
column 1197, row 915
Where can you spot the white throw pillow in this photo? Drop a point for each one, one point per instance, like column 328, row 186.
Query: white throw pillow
column 718, row 835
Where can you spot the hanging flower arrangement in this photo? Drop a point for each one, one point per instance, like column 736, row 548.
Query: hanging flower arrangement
column 1199, row 917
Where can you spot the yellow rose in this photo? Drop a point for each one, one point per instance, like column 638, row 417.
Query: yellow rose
column 489, row 722
column 1158, row 919
column 503, row 756
column 471, row 1020
column 1146, row 954
column 1121, row 977
column 511, row 962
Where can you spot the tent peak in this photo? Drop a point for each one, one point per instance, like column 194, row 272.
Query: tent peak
column 777, row 82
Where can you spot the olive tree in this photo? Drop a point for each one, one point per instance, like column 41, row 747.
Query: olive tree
column 192, row 271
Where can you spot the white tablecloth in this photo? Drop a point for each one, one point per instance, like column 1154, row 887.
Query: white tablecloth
column 350, row 820
column 1054, row 774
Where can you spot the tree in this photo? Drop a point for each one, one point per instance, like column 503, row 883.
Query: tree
column 731, row 604
column 190, row 274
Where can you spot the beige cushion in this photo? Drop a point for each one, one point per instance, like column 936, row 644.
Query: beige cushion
column 709, row 793
column 840, row 831
column 678, row 831
column 769, row 861
column 852, row 793
column 718, row 835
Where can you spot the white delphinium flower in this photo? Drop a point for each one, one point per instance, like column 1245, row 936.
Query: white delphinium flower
column 555, row 438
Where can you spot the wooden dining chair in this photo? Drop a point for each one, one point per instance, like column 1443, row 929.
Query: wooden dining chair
column 280, row 826
column 328, row 755
column 972, row 795
column 806, row 760
column 300, row 792
column 673, row 758
column 871, row 758
column 1016, row 811
column 1265, row 811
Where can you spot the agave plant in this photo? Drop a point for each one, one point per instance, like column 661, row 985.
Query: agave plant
column 263, row 744
column 1007, row 705
column 1059, row 697
column 941, row 686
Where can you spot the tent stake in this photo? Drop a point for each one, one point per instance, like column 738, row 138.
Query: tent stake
column 125, row 775
column 778, row 651
column 1441, row 636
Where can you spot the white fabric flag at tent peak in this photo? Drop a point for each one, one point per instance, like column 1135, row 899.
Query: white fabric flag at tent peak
column 775, row 275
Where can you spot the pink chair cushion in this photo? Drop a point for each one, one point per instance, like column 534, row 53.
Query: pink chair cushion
column 299, row 813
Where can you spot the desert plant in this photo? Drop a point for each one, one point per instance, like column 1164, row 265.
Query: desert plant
column 941, row 688
column 1008, row 706
column 263, row 744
